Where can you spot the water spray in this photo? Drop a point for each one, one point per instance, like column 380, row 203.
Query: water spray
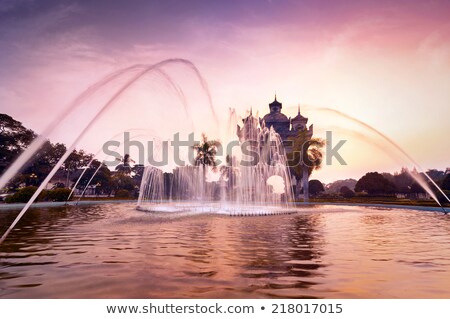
column 142, row 70
column 389, row 140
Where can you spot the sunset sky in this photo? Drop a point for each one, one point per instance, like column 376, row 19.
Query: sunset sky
column 386, row 63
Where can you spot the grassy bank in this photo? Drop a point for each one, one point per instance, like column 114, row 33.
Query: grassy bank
column 376, row 200
column 100, row 199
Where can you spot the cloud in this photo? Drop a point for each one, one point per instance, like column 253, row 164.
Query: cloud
column 350, row 54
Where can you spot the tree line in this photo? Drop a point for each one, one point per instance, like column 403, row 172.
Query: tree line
column 125, row 179
column 15, row 138
column 385, row 184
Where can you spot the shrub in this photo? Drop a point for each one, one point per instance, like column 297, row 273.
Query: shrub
column 123, row 193
column 58, row 194
column 43, row 196
column 22, row 196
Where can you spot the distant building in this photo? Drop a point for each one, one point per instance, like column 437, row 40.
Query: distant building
column 284, row 126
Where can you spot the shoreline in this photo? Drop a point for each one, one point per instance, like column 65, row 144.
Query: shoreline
column 378, row 205
column 14, row 206
column 17, row 206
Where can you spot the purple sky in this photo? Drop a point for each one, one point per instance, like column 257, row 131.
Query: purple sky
column 385, row 62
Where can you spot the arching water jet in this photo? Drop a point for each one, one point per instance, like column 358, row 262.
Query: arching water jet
column 141, row 70
column 417, row 178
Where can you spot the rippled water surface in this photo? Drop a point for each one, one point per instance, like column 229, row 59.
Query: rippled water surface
column 114, row 251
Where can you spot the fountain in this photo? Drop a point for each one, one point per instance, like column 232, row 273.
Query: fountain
column 254, row 182
column 125, row 78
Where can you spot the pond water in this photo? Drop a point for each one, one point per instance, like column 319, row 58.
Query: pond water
column 115, row 251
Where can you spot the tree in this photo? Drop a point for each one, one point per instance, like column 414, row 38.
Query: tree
column 388, row 176
column 121, row 181
column 76, row 160
column 446, row 182
column 374, row 184
column 436, row 175
column 335, row 187
column 43, row 161
column 128, row 177
column 102, row 178
column 305, row 157
column 14, row 138
column 346, row 192
column 229, row 174
column 403, row 180
column 206, row 154
column 137, row 173
column 417, row 189
column 125, row 167
column 315, row 187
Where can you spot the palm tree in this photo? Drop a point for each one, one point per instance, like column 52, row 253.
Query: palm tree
column 228, row 172
column 124, row 167
column 305, row 157
column 206, row 154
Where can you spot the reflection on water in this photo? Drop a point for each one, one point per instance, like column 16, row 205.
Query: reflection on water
column 113, row 251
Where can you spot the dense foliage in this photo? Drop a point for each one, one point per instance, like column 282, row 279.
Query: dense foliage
column 15, row 138
column 52, row 195
column 315, row 187
column 375, row 184
column 22, row 196
column 346, row 192
column 125, row 180
column 123, row 193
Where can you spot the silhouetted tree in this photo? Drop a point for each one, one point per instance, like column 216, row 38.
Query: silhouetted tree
column 315, row 187
column 121, row 181
column 403, row 180
column 374, row 184
column 346, row 192
column 416, row 188
column 102, row 179
column 76, row 160
column 389, row 177
column 43, row 161
column 436, row 175
column 125, row 166
column 302, row 147
column 14, row 138
column 446, row 182
column 206, row 154
column 137, row 172
column 336, row 186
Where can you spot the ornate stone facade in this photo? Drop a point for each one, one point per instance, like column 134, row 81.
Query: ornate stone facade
column 284, row 126
column 252, row 128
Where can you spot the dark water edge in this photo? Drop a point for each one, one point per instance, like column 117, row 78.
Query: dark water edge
column 114, row 251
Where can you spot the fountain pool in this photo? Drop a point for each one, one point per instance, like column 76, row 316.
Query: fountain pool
column 191, row 249
column 114, row 251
